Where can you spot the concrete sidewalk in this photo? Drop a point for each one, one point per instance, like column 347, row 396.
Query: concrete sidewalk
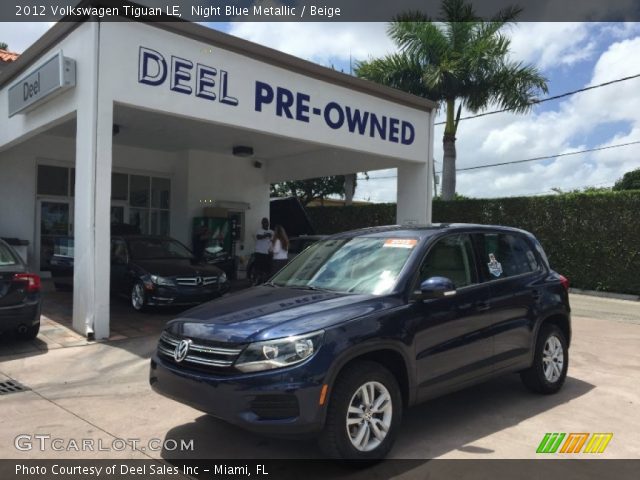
column 101, row 392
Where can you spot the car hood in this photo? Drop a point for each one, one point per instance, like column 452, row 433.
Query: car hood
column 176, row 267
column 265, row 312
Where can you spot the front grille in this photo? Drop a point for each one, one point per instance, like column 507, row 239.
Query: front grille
column 275, row 407
column 196, row 281
column 199, row 354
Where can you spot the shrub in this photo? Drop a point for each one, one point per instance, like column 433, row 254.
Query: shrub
column 593, row 239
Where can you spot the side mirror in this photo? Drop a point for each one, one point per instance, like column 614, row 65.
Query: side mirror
column 437, row 287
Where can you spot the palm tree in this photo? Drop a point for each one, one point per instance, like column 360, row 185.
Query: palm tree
column 459, row 59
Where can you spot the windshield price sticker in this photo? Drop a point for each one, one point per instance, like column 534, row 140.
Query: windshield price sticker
column 400, row 242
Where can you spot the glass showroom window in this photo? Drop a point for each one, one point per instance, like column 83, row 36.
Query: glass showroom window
column 149, row 203
column 139, row 200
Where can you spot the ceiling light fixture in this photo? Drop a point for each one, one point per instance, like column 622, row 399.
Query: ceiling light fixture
column 242, row 151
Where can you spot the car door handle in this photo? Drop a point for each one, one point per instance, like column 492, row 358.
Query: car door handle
column 482, row 306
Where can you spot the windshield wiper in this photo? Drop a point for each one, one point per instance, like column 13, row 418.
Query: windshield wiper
column 308, row 287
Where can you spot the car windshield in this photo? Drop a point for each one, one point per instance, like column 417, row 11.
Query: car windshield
column 351, row 265
column 157, row 249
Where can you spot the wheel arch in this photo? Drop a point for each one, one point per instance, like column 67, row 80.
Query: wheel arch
column 390, row 355
column 562, row 319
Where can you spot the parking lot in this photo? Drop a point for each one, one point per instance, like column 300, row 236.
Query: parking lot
column 100, row 391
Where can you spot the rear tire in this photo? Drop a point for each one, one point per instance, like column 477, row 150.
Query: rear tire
column 31, row 332
column 364, row 413
column 550, row 362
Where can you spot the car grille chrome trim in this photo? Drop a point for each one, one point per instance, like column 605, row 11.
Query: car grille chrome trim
column 168, row 343
column 196, row 281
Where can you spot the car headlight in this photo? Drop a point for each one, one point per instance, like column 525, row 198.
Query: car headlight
column 279, row 353
column 162, row 281
column 222, row 278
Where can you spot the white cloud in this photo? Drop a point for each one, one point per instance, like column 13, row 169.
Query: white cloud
column 319, row 42
column 20, row 35
column 611, row 114
column 551, row 44
column 508, row 137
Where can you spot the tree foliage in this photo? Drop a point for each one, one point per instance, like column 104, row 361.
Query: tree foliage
column 4, row 46
column 311, row 189
column 458, row 60
column 629, row 181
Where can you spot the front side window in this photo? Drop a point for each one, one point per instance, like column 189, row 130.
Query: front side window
column 507, row 255
column 351, row 265
column 452, row 258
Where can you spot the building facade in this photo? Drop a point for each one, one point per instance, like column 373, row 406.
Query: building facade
column 151, row 123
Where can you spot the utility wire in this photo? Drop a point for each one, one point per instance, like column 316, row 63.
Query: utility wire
column 534, row 159
column 548, row 99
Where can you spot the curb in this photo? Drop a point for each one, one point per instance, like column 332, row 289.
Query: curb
column 617, row 296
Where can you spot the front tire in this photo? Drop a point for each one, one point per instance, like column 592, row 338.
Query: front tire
column 138, row 297
column 364, row 413
column 550, row 362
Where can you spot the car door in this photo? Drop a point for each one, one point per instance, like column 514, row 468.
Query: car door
column 514, row 274
column 452, row 345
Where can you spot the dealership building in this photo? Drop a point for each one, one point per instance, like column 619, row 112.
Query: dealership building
column 152, row 123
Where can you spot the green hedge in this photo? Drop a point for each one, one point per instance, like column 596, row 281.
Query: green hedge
column 593, row 239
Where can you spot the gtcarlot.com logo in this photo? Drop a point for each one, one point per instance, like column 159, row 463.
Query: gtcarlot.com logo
column 45, row 442
column 574, row 442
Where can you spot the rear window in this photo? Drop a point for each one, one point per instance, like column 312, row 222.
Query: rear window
column 507, row 255
column 7, row 258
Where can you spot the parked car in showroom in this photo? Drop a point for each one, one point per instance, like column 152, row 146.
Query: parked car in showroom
column 151, row 270
column 20, row 298
column 364, row 324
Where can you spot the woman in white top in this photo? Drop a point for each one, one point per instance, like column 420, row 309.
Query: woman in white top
column 279, row 248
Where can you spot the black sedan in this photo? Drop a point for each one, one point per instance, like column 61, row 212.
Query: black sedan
column 151, row 271
column 156, row 271
column 20, row 298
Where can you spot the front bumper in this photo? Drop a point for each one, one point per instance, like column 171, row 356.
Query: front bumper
column 184, row 295
column 280, row 402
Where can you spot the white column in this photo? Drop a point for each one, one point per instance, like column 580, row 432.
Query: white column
column 414, row 194
column 92, row 217
column 415, row 187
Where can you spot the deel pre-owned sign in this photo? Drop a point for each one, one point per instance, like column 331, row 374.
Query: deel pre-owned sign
column 185, row 76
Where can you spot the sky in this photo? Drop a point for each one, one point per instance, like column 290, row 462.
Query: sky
column 570, row 55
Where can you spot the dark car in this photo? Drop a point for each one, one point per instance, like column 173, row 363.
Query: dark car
column 149, row 270
column 157, row 271
column 362, row 325
column 20, row 299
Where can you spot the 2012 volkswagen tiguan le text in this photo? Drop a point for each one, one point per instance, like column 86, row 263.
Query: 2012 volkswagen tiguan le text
column 364, row 324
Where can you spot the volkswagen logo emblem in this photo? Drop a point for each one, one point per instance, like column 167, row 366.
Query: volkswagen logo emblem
column 198, row 280
column 181, row 351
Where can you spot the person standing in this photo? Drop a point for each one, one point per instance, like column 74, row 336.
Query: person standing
column 280, row 249
column 262, row 253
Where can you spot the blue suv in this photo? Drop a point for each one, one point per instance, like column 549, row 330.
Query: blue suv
column 364, row 324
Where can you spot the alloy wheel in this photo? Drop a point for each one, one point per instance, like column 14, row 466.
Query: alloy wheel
column 552, row 359
column 369, row 416
column 137, row 296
